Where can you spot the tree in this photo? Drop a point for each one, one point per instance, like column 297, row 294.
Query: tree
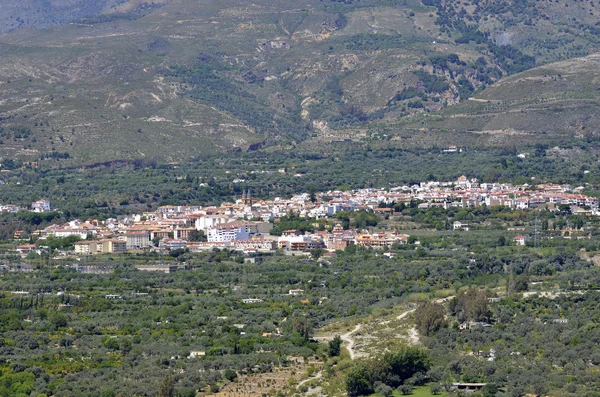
column 490, row 390
column 430, row 318
column 350, row 249
column 197, row 235
column 518, row 284
column 540, row 388
column 302, row 325
column 364, row 219
column 571, row 387
column 186, row 392
column 230, row 375
column 564, row 209
column 435, row 388
column 405, row 389
column 317, row 252
column 358, row 382
column 59, row 321
column 335, row 346
column 166, row 388
column 501, row 241
column 405, row 363
column 384, row 390
column 111, row 343
column 471, row 305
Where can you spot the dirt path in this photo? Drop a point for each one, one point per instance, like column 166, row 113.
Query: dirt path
column 406, row 313
column 551, row 294
column 347, row 337
column 317, row 376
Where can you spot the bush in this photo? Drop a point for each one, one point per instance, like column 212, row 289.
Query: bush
column 59, row 321
column 435, row 388
column 358, row 382
column 230, row 375
column 408, row 93
column 186, row 392
column 432, row 83
column 335, row 346
column 384, row 390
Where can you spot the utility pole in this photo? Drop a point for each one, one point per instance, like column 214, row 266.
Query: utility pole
column 536, row 241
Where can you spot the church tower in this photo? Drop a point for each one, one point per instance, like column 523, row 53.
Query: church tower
column 247, row 198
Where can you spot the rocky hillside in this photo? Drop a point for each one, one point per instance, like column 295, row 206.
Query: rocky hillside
column 24, row 14
column 555, row 100
column 189, row 77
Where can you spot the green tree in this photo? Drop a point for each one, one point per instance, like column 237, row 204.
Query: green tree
column 364, row 219
column 358, row 381
column 197, row 235
column 384, row 390
column 59, row 321
column 405, row 389
column 166, row 388
column 435, row 388
column 490, row 390
column 335, row 346
column 317, row 252
column 350, row 249
column 429, row 318
column 405, row 363
column 518, row 283
column 111, row 343
column 301, row 324
column 186, row 392
column 230, row 375
column 501, row 241
column 471, row 305
column 540, row 388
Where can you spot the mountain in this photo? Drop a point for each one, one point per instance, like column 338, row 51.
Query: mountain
column 558, row 101
column 177, row 79
column 21, row 14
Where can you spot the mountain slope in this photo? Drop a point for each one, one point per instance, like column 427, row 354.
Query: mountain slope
column 556, row 100
column 195, row 77
column 22, row 14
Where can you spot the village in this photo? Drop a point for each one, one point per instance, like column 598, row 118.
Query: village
column 245, row 225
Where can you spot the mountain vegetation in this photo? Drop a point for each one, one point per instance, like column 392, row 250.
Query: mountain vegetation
column 172, row 80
